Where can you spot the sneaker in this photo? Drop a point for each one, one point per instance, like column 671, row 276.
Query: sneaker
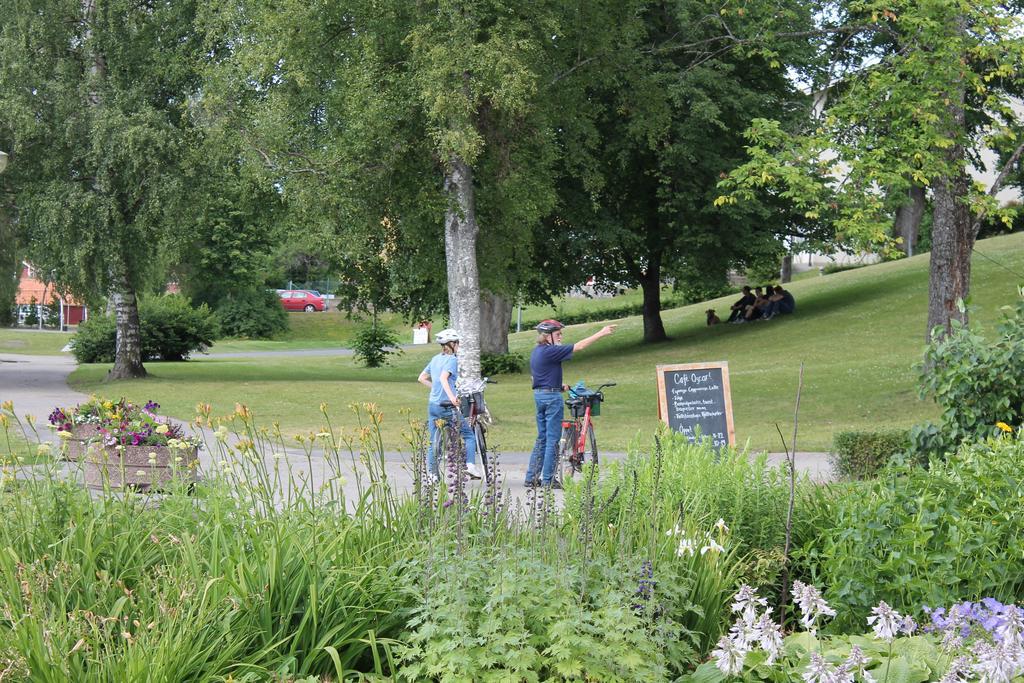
column 473, row 470
column 532, row 483
column 555, row 484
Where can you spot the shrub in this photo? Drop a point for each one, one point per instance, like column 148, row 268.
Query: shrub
column 932, row 536
column 860, row 455
column 252, row 314
column 373, row 344
column 492, row 364
column 32, row 317
column 95, row 340
column 170, row 330
column 973, row 383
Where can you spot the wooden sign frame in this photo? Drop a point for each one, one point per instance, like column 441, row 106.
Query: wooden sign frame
column 660, row 370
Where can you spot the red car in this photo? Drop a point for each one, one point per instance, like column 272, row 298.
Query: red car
column 301, row 300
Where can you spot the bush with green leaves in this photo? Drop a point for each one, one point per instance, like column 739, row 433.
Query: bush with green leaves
column 934, row 536
column 171, row 329
column 492, row 364
column 95, row 340
column 860, row 455
column 373, row 344
column 252, row 314
column 32, row 317
column 976, row 383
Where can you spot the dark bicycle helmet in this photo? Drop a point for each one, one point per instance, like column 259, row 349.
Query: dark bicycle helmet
column 549, row 326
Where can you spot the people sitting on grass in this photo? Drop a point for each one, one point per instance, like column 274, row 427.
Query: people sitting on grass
column 767, row 303
column 782, row 301
column 740, row 307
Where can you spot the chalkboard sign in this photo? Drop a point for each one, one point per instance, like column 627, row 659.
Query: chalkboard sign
column 697, row 394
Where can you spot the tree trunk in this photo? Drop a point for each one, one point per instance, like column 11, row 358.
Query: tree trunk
column 495, row 318
column 953, row 232
column 908, row 219
column 650, row 282
column 460, row 232
column 949, row 277
column 128, row 353
column 786, row 271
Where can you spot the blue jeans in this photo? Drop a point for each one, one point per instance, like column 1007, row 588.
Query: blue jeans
column 549, row 431
column 435, row 412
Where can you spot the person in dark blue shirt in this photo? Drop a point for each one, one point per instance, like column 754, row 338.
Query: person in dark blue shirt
column 546, row 367
column 782, row 302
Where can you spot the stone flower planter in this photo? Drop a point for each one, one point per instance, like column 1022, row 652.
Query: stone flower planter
column 78, row 443
column 133, row 467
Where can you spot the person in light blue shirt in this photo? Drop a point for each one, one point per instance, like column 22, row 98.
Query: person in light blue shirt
column 440, row 375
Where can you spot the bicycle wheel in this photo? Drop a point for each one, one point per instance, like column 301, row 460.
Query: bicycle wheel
column 567, row 464
column 590, row 447
column 481, row 451
column 440, row 445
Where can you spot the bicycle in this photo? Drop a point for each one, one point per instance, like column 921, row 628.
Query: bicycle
column 472, row 408
column 578, row 443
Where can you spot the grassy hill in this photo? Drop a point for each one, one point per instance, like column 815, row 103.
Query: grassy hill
column 858, row 334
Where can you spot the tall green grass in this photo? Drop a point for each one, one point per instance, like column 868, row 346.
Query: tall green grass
column 258, row 573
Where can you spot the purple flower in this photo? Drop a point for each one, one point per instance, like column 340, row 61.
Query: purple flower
column 151, row 406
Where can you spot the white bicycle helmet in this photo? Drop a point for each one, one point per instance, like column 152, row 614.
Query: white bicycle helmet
column 447, row 336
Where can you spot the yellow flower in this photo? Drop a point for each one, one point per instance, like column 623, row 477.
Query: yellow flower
column 1005, row 427
column 7, row 405
column 64, row 434
column 162, row 429
column 43, row 449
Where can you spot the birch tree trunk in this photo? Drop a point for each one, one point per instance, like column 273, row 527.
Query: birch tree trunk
column 460, row 233
column 495, row 318
column 128, row 348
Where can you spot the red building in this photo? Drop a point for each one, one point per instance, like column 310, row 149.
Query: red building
column 34, row 291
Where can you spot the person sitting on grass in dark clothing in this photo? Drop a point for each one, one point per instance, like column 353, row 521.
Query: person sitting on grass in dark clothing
column 781, row 302
column 740, row 307
column 759, row 308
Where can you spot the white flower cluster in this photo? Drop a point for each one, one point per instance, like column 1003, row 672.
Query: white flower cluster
column 753, row 629
column 688, row 546
column 812, row 605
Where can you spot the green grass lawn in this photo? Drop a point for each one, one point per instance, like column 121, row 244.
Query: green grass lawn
column 324, row 330
column 858, row 334
column 33, row 342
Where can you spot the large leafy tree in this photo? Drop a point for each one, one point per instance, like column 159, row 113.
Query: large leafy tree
column 424, row 129
column 94, row 95
column 924, row 88
column 659, row 130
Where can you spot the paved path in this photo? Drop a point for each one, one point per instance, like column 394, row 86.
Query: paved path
column 38, row 383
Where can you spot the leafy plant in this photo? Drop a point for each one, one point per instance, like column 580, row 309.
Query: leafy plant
column 373, row 344
column 967, row 376
column 492, row 364
column 171, row 330
column 929, row 536
column 252, row 314
column 860, row 455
